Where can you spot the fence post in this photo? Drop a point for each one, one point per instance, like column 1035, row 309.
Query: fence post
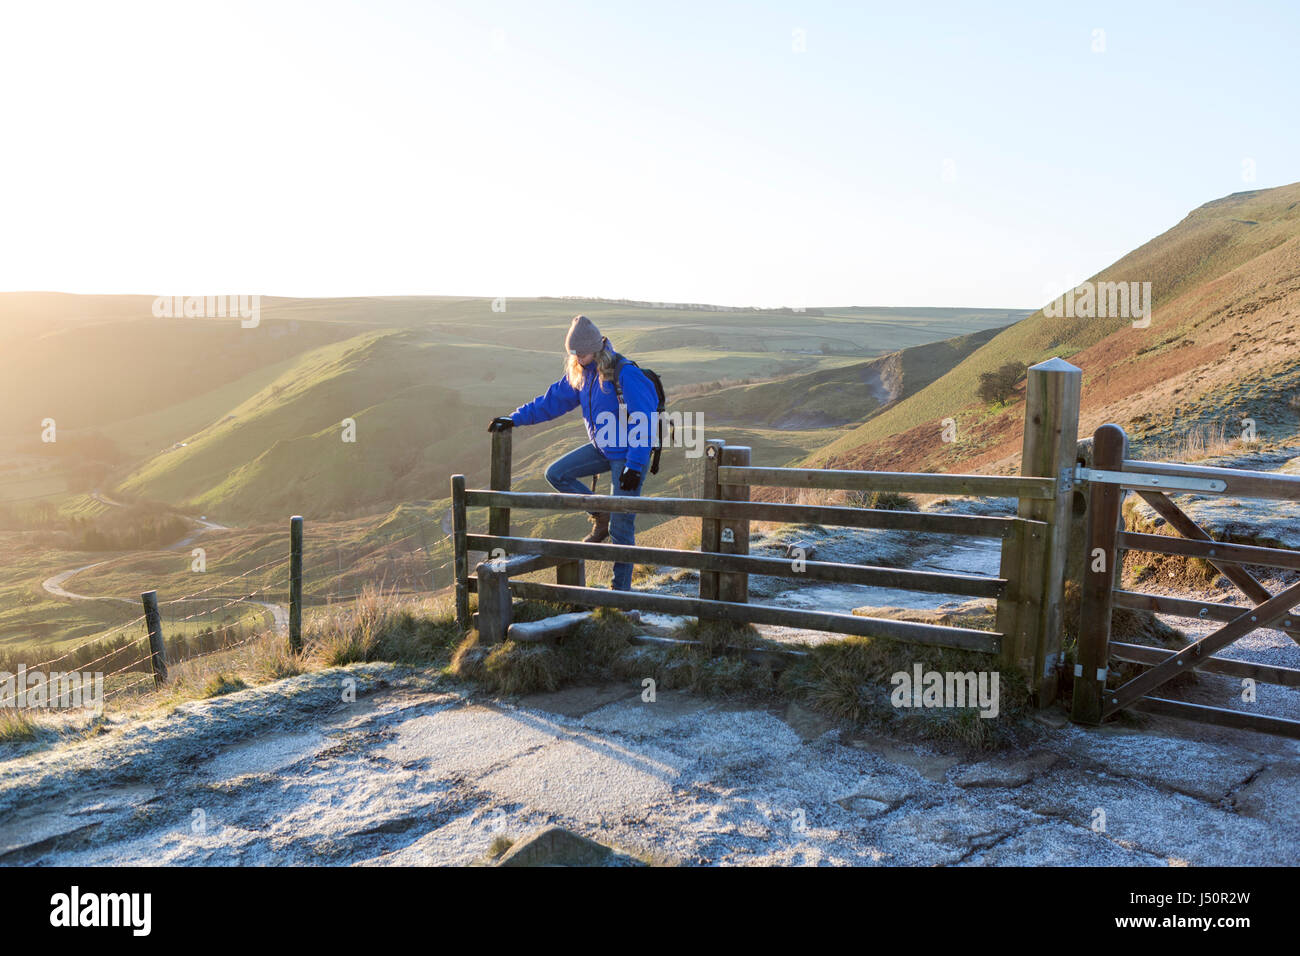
column 734, row 586
column 710, row 528
column 572, row 573
column 1080, row 519
column 295, row 584
column 1100, row 572
column 1051, row 437
column 158, row 656
column 493, row 601
column 1013, row 607
column 499, row 480
column 460, row 556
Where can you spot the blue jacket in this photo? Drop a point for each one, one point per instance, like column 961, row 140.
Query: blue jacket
column 596, row 398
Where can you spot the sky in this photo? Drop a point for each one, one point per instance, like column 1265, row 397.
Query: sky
column 756, row 154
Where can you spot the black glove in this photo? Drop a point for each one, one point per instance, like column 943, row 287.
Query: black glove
column 630, row 479
column 500, row 424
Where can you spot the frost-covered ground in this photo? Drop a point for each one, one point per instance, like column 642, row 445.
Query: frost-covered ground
column 411, row 774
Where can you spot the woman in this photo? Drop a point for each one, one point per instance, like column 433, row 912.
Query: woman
column 620, row 444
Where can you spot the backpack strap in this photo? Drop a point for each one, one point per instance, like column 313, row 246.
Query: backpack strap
column 618, row 388
column 618, row 376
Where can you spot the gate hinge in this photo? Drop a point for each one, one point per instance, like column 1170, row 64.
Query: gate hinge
column 1135, row 479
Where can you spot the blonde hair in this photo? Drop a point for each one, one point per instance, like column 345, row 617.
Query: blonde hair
column 606, row 367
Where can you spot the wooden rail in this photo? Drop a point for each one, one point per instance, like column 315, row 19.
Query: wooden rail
column 926, row 523
column 1217, row 550
column 917, row 483
column 1264, row 673
column 1184, row 607
column 932, row 634
column 1242, row 484
column 931, row 582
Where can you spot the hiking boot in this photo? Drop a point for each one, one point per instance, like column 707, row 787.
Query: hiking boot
column 599, row 528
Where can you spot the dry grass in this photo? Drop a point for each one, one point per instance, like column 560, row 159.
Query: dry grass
column 1202, row 441
column 219, row 684
column 379, row 626
column 17, row 726
column 600, row 650
column 263, row 658
column 850, row 680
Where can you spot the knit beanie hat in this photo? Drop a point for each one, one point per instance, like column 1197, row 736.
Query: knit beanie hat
column 583, row 337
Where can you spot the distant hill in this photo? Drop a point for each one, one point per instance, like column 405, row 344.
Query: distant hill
column 245, row 424
column 836, row 396
column 1223, row 344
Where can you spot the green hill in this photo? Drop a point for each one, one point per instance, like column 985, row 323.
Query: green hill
column 246, row 424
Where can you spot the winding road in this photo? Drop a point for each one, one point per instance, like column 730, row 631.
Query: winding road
column 55, row 583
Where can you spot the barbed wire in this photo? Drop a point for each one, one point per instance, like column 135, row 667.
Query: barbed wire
column 420, row 528
column 116, row 650
column 138, row 660
column 122, row 690
column 193, row 594
column 221, row 650
column 230, row 603
column 92, row 640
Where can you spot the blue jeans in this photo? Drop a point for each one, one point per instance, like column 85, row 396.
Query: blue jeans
column 563, row 474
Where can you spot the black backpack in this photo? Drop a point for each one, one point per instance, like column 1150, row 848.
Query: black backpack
column 656, row 438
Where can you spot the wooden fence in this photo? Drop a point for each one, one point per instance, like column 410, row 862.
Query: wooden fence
column 1027, row 589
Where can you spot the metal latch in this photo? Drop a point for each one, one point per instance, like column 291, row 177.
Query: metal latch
column 1133, row 479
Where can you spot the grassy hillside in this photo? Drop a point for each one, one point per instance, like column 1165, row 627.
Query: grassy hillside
column 835, row 396
column 246, row 424
column 1223, row 344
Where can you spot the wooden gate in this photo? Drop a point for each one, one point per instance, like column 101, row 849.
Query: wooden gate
column 1106, row 541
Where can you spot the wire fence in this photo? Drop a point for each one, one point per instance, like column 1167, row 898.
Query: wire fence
column 215, row 620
